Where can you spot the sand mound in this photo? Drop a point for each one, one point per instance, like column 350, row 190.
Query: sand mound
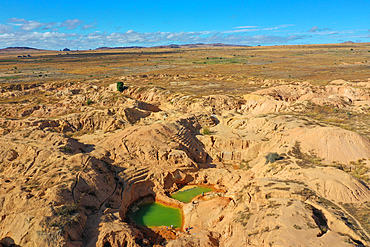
column 336, row 185
column 325, row 142
column 261, row 105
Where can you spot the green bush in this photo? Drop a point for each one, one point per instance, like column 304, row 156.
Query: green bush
column 120, row 87
column 206, row 131
column 272, row 157
column 89, row 102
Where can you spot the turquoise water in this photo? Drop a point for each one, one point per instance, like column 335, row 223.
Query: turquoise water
column 188, row 195
column 156, row 214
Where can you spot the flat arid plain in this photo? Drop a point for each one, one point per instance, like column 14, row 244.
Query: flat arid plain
column 279, row 134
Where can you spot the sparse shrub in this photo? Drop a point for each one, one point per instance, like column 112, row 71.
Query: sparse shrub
column 244, row 216
column 67, row 210
column 244, row 165
column 272, row 157
column 67, row 149
column 89, row 102
column 297, row 227
column 206, row 131
column 67, row 214
column 120, row 86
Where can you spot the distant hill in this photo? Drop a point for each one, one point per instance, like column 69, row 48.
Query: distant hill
column 18, row 49
column 199, row 45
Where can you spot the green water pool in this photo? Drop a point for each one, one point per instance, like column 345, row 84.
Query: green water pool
column 156, row 214
column 188, row 194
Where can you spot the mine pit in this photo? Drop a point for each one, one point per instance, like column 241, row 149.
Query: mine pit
column 162, row 217
column 162, row 211
column 155, row 214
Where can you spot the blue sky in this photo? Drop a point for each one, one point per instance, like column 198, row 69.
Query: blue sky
column 82, row 24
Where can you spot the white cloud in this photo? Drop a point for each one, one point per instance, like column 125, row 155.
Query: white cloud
column 327, row 32
column 25, row 25
column 287, row 25
column 313, row 29
column 118, row 28
column 89, row 26
column 270, row 28
column 246, row 27
column 317, row 30
column 56, row 40
column 5, row 28
column 53, row 35
column 51, row 25
column 242, row 30
column 72, row 24
column 14, row 19
column 31, row 25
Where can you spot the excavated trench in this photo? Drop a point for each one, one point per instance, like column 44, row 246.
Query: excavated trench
column 160, row 217
column 147, row 212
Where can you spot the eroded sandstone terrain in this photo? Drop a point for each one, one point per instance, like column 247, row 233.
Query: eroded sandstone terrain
column 289, row 161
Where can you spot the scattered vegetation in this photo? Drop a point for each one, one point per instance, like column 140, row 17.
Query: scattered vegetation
column 353, row 121
column 206, row 131
column 10, row 77
column 306, row 193
column 361, row 212
column 66, row 149
column 244, row 216
column 67, row 210
column 271, row 203
column 358, row 169
column 66, row 214
column 244, row 165
column 272, row 157
column 222, row 60
column 304, row 160
column 297, row 227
